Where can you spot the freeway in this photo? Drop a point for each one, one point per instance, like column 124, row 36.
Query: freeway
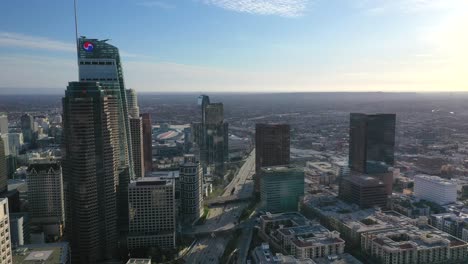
column 209, row 250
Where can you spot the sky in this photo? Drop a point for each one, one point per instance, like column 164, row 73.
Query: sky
column 244, row 45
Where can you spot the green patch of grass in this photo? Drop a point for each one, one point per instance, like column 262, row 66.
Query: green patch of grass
column 248, row 210
column 202, row 219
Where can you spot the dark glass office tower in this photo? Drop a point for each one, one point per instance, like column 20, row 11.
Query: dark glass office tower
column 272, row 147
column 371, row 142
column 91, row 170
column 211, row 135
column 27, row 127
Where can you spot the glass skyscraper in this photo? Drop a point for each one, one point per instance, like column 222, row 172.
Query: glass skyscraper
column 372, row 142
column 91, row 170
column 100, row 61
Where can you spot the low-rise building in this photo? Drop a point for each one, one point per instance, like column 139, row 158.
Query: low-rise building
column 295, row 235
column 450, row 223
column 50, row 253
column 411, row 244
column 139, row 261
column 351, row 221
column 263, row 255
column 408, row 206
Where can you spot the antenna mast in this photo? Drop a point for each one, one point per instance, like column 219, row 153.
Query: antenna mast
column 76, row 29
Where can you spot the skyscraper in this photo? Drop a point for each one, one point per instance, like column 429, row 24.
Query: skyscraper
column 99, row 61
column 147, row 142
column 91, row 169
column 132, row 102
column 136, row 133
column 211, row 135
column 191, row 178
column 3, row 123
column 3, row 168
column 281, row 188
column 137, row 146
column 46, row 197
column 371, row 142
column 272, row 147
column 27, row 127
column 5, row 236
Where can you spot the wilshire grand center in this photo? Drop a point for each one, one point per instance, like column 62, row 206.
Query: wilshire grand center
column 98, row 163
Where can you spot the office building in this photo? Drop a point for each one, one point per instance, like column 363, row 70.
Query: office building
column 363, row 190
column 272, row 147
column 3, row 123
column 191, row 191
column 371, row 142
column 435, row 189
column 5, row 238
column 15, row 142
column 136, row 130
column 100, row 61
column 27, row 128
column 132, row 103
column 3, row 168
column 19, row 229
column 211, row 136
column 91, row 170
column 46, row 197
column 152, row 213
column 281, row 188
column 147, row 142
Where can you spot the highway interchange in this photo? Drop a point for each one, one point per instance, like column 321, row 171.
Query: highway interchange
column 210, row 249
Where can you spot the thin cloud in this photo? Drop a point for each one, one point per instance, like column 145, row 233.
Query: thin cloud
column 17, row 40
column 285, row 8
column 378, row 7
column 8, row 39
column 158, row 4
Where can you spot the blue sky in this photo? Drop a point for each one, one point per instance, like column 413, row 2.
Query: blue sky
column 244, row 45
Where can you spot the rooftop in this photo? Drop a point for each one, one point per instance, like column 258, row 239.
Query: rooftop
column 51, row 253
column 435, row 179
column 338, row 259
column 420, row 238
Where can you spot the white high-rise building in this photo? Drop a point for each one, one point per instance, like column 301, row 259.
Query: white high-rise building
column 152, row 213
column 5, row 237
column 435, row 189
column 132, row 102
column 3, row 123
